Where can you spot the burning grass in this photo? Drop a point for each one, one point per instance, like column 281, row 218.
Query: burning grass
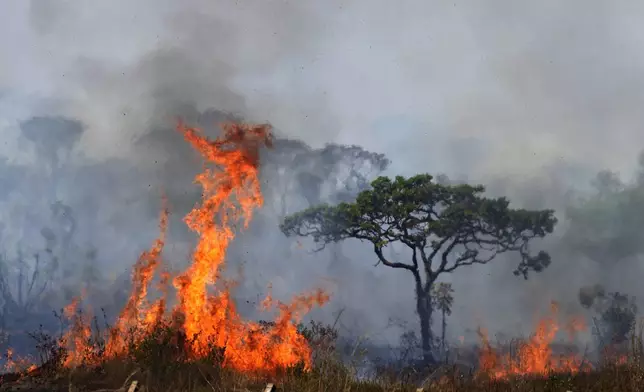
column 534, row 355
column 158, row 363
column 204, row 318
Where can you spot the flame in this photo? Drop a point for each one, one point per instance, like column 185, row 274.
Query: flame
column 78, row 339
column 205, row 312
column 138, row 316
column 231, row 192
column 535, row 356
column 238, row 155
column 16, row 365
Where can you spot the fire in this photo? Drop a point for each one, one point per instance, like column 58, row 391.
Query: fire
column 535, row 356
column 78, row 339
column 238, row 155
column 231, row 192
column 15, row 364
column 205, row 312
column 139, row 316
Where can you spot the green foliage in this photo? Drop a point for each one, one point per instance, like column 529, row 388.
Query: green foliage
column 442, row 297
column 432, row 220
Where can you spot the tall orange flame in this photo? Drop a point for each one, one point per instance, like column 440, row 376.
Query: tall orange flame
column 205, row 313
column 231, row 191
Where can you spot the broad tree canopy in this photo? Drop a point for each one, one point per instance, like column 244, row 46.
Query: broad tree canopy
column 445, row 226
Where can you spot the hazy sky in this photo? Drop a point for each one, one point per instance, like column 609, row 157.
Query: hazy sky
column 491, row 89
column 521, row 84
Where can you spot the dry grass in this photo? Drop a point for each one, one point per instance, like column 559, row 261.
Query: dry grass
column 197, row 377
column 157, row 368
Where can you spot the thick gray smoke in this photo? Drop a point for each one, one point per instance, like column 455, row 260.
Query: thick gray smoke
column 530, row 98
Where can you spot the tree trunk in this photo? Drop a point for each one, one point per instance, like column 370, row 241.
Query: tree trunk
column 424, row 310
column 443, row 328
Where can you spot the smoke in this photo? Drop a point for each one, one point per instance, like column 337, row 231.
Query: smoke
column 530, row 98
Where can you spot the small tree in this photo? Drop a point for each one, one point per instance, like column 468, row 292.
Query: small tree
column 442, row 301
column 23, row 286
column 615, row 314
column 53, row 137
column 444, row 227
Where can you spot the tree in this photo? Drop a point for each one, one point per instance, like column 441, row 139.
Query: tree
column 444, row 227
column 606, row 226
column 24, row 284
column 52, row 136
column 442, row 301
column 54, row 140
column 296, row 176
column 334, row 172
column 616, row 314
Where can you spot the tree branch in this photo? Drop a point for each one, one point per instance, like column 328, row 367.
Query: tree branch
column 383, row 260
column 466, row 259
column 444, row 257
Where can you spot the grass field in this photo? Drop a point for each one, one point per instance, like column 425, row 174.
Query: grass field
column 326, row 377
column 159, row 366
